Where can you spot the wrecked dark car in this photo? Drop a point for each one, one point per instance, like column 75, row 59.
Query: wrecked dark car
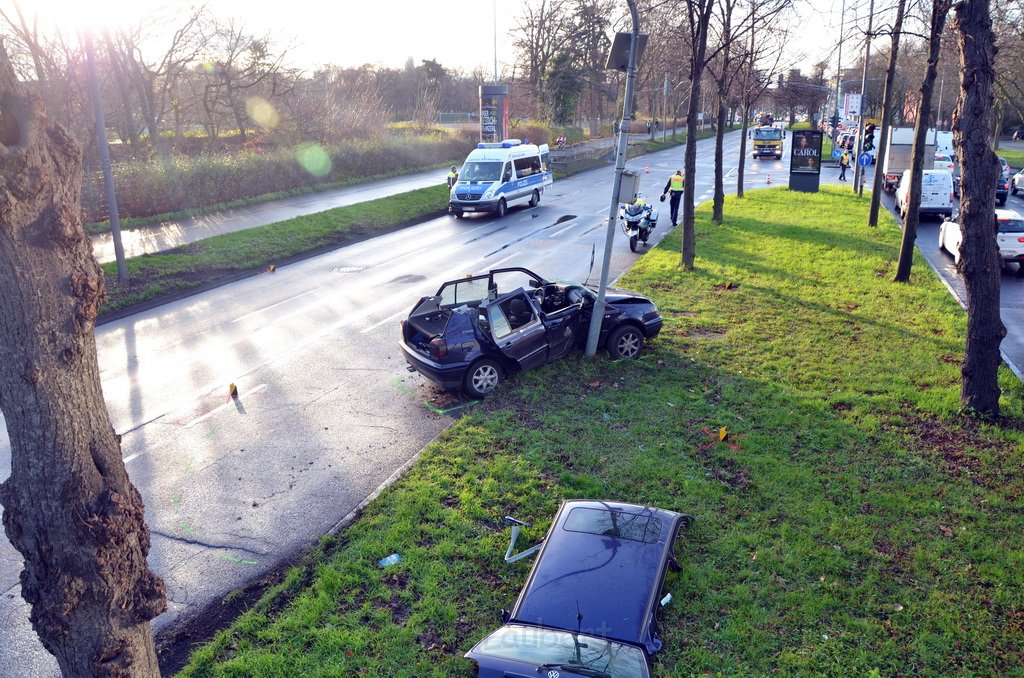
column 480, row 329
column 589, row 604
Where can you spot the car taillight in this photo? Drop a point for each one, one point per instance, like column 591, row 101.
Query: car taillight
column 438, row 347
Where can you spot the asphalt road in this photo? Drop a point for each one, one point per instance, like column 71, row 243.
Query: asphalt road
column 327, row 413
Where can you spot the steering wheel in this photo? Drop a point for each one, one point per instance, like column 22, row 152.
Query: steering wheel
column 538, row 295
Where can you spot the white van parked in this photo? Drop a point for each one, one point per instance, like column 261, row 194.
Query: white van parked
column 497, row 176
column 936, row 193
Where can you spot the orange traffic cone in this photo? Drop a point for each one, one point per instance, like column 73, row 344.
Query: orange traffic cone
column 768, row 179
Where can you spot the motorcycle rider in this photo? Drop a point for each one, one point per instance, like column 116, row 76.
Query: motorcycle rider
column 674, row 187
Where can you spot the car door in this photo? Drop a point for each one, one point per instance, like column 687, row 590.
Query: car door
column 565, row 324
column 521, row 338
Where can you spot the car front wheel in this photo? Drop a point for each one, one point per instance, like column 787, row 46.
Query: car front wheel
column 482, row 378
column 625, row 342
column 502, row 208
column 535, row 198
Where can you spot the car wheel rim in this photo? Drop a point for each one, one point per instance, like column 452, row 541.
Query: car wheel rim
column 485, row 379
column 629, row 345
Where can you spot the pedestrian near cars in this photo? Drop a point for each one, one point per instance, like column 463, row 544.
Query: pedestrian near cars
column 674, row 189
column 844, row 162
column 453, row 176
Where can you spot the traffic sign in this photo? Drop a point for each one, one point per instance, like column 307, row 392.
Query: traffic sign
column 836, row 152
column 864, row 159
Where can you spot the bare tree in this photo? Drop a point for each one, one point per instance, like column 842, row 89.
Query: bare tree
column 69, row 507
column 699, row 22
column 883, row 132
column 911, row 217
column 979, row 254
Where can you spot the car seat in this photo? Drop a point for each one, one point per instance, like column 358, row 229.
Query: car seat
column 518, row 312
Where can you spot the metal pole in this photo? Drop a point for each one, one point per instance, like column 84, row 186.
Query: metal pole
column 858, row 174
column 108, row 175
column 597, row 314
column 839, row 73
column 494, row 6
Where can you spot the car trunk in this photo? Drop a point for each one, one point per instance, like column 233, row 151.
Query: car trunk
column 427, row 321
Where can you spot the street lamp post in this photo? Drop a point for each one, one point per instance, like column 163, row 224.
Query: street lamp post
column 597, row 314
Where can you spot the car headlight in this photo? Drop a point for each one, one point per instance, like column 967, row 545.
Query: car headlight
column 489, row 193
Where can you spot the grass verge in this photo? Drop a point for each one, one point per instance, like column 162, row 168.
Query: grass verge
column 851, row 524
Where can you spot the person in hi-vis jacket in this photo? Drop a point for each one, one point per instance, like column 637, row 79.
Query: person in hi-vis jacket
column 674, row 188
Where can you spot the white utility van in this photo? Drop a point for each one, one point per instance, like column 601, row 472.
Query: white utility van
column 497, row 176
column 936, row 193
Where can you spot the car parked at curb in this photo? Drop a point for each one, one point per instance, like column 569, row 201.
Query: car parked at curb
column 1002, row 189
column 1017, row 183
column 476, row 331
column 1009, row 237
column 589, row 605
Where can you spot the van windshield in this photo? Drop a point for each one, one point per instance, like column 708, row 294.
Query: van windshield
column 480, row 171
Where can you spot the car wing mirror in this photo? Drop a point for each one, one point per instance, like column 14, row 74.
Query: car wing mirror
column 516, row 524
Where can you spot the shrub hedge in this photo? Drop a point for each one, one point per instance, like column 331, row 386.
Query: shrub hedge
column 181, row 183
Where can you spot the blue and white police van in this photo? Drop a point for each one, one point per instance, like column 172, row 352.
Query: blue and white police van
column 497, row 176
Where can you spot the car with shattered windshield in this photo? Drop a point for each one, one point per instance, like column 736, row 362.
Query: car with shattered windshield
column 589, row 605
column 478, row 330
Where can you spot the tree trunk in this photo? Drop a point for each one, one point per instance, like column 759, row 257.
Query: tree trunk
column 700, row 16
column 718, row 206
column 940, row 8
column 69, row 507
column 742, row 166
column 979, row 260
column 882, row 133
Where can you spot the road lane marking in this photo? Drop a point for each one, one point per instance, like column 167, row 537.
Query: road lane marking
column 267, row 308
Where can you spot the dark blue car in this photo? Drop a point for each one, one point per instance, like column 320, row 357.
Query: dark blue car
column 477, row 330
column 588, row 607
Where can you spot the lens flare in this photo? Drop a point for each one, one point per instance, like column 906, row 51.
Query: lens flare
column 262, row 112
column 314, row 159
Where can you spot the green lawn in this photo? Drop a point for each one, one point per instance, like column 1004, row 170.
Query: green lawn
column 851, row 524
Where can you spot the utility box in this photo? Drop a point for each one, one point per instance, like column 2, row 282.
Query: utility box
column 629, row 186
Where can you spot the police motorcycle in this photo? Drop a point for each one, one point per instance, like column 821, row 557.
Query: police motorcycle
column 638, row 220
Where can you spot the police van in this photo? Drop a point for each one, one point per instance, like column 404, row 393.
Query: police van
column 497, row 176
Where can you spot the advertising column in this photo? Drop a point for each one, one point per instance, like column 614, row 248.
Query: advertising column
column 805, row 160
column 493, row 112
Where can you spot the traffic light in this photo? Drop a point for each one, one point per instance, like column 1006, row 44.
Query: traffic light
column 869, row 137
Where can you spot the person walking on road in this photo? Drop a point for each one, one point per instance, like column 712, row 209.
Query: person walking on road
column 453, row 176
column 844, row 162
column 674, row 188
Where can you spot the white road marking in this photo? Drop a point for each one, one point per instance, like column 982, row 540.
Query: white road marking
column 267, row 308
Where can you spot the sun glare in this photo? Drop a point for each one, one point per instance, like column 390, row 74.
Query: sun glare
column 72, row 17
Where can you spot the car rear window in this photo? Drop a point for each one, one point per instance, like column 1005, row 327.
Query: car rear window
column 646, row 529
column 1011, row 226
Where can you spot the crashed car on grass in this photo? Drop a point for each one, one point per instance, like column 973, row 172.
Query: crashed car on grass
column 480, row 329
column 589, row 605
